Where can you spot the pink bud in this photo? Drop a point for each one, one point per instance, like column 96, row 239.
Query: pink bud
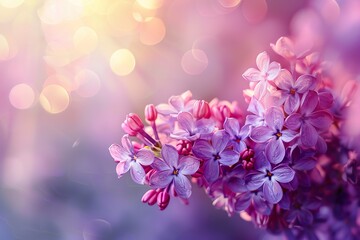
column 132, row 124
column 150, row 113
column 148, row 195
column 163, row 200
column 201, row 109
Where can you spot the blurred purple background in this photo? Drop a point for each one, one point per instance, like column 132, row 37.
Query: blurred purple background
column 72, row 69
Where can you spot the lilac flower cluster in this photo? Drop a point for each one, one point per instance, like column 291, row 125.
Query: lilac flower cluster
column 283, row 165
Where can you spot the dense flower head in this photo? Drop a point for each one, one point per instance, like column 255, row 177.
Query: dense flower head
column 281, row 162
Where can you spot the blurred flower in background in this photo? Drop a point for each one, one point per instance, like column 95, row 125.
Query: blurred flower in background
column 72, row 69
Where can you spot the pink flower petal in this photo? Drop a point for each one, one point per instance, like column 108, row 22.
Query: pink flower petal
column 253, row 75
column 177, row 102
column 292, row 103
column 263, row 61
column 186, row 121
column 273, row 71
column 309, row 102
column 118, row 153
column 284, row 80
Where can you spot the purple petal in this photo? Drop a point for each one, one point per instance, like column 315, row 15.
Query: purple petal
column 305, row 164
column 274, row 118
column 252, row 75
column 127, row 145
column 205, row 126
column 272, row 191
column 284, row 80
column 263, row 61
column 160, row 165
column 220, row 140
column 186, row 121
column 145, row 157
column 275, row 151
column 232, row 127
column 321, row 146
column 321, row 120
column 309, row 102
column 229, row 157
column 326, row 99
column 254, row 120
column 211, row 170
column 293, row 121
column 243, row 201
column 260, row 89
column 161, row 179
column 283, row 173
column 177, row 102
column 261, row 163
column 170, row 155
column 308, row 135
column 182, row 186
column 237, row 184
column 256, row 107
column 118, row 153
column 261, row 205
column 273, row 71
column 288, row 135
column 292, row 103
column 305, row 83
column 188, row 165
column 137, row 173
column 122, row 168
column 203, row 149
column 261, row 134
column 165, row 109
column 255, row 180
column 292, row 215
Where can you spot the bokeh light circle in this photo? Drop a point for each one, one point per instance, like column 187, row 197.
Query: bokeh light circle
column 54, row 98
column 150, row 4
column 11, row 3
column 85, row 39
column 22, row 96
column 122, row 62
column 152, row 32
column 194, row 61
column 88, row 83
column 229, row 3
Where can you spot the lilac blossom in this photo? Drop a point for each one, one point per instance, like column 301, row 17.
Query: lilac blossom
column 255, row 199
column 269, row 178
column 172, row 170
column 129, row 159
column 309, row 120
column 258, row 116
column 190, row 128
column 215, row 153
column 273, row 134
column 237, row 134
column 268, row 71
column 176, row 104
column 290, row 89
column 301, row 209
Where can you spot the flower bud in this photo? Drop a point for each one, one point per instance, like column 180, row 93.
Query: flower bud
column 201, row 109
column 163, row 199
column 132, row 124
column 150, row 197
column 150, row 112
